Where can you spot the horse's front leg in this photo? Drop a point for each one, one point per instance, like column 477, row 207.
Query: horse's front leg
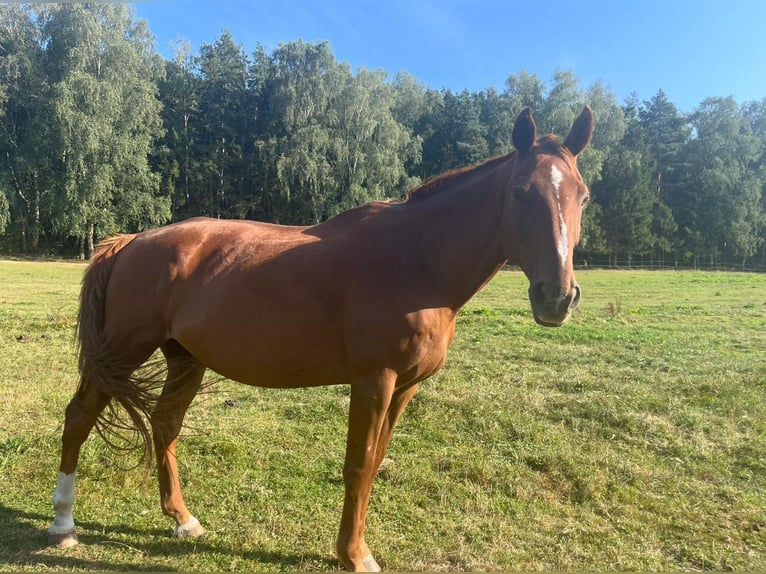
column 370, row 400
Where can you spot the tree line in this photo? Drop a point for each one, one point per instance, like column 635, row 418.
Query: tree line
column 102, row 135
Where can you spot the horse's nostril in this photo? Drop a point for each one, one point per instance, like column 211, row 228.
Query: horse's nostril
column 558, row 300
column 577, row 296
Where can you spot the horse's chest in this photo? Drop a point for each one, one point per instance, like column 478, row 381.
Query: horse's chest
column 423, row 352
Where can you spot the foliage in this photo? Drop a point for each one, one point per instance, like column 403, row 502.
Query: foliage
column 81, row 116
column 24, row 151
column 724, row 160
column 100, row 135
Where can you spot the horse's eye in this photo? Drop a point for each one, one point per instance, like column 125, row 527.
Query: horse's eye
column 519, row 194
column 586, row 199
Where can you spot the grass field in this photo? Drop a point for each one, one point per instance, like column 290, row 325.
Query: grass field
column 633, row 438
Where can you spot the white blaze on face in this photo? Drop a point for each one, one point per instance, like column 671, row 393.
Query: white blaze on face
column 63, row 501
column 563, row 243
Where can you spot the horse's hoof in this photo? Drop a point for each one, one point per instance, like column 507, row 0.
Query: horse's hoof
column 191, row 528
column 370, row 564
column 62, row 539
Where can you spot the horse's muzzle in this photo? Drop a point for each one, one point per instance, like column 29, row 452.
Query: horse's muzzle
column 551, row 305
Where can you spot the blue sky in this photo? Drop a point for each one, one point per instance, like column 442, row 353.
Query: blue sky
column 691, row 49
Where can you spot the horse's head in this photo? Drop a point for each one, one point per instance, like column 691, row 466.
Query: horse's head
column 541, row 221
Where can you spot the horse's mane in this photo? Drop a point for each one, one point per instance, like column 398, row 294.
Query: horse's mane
column 435, row 183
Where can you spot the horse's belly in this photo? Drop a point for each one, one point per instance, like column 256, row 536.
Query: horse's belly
column 279, row 376
column 257, row 351
column 282, row 371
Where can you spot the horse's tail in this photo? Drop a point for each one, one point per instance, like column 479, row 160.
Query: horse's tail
column 90, row 318
column 104, row 368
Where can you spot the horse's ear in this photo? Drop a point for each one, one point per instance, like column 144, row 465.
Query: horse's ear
column 524, row 132
column 581, row 132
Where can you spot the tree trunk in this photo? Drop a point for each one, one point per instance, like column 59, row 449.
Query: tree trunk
column 35, row 233
column 89, row 241
column 24, row 235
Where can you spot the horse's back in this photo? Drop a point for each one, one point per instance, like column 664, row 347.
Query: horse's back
column 244, row 298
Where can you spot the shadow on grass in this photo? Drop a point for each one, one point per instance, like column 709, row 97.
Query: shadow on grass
column 24, row 544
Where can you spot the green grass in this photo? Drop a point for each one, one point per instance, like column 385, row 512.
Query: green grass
column 633, row 438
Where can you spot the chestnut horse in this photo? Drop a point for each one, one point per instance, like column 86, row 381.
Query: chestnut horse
column 368, row 299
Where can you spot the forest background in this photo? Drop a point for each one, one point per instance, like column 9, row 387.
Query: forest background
column 99, row 134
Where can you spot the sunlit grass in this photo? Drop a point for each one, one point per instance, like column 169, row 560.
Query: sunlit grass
column 633, row 438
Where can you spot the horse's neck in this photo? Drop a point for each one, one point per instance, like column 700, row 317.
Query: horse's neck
column 460, row 232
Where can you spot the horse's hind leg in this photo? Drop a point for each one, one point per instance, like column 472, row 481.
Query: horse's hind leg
column 81, row 415
column 184, row 379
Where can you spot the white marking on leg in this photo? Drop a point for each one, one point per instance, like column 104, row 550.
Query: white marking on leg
column 563, row 243
column 191, row 527
column 63, row 502
column 371, row 564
